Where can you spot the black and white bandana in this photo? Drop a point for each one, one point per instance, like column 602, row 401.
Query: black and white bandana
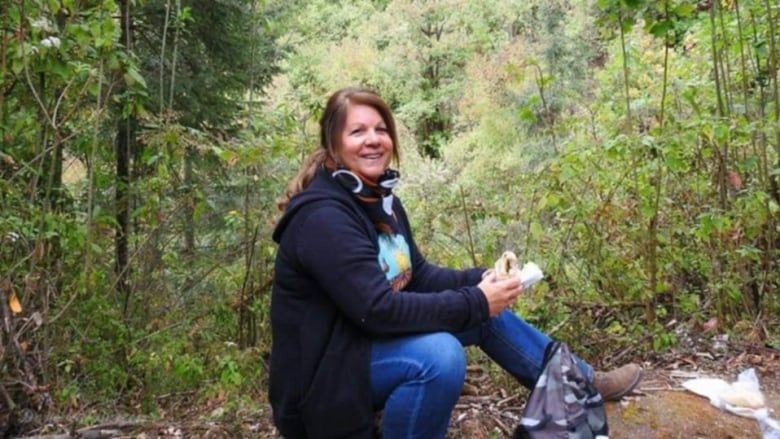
column 376, row 197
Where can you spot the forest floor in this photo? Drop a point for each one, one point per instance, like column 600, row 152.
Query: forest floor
column 491, row 404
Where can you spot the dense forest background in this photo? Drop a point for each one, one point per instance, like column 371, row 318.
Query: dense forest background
column 629, row 147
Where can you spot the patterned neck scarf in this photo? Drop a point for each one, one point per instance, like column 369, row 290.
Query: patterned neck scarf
column 376, row 197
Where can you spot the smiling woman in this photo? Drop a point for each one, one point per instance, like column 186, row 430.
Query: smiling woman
column 360, row 320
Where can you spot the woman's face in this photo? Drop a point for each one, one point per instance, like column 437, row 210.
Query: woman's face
column 366, row 145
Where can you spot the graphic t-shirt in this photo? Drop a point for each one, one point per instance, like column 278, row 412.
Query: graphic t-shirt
column 395, row 259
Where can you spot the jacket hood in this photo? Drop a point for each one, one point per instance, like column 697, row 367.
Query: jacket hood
column 323, row 187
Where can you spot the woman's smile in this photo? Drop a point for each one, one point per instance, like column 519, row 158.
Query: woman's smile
column 366, row 145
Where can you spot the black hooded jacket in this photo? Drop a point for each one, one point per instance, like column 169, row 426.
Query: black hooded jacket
column 331, row 298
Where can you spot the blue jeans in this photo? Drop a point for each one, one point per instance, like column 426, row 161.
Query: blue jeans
column 417, row 379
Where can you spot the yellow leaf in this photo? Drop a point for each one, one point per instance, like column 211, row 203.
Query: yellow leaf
column 13, row 302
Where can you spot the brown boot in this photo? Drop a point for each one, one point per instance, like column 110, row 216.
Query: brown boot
column 617, row 383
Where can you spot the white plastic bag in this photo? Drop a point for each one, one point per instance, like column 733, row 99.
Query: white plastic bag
column 742, row 397
column 770, row 428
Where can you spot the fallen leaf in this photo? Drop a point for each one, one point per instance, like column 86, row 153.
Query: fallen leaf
column 13, row 303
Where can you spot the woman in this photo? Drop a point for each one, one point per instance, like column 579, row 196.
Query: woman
column 361, row 321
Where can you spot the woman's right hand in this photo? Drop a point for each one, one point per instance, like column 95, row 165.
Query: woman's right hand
column 500, row 293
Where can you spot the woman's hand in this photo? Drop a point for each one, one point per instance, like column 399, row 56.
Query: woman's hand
column 500, row 293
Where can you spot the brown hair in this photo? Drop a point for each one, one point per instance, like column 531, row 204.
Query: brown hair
column 331, row 125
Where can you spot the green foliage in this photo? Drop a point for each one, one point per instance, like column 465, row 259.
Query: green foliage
column 67, row 79
column 626, row 201
column 201, row 57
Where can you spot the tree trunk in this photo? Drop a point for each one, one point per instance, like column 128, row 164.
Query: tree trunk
column 189, row 208
column 123, row 144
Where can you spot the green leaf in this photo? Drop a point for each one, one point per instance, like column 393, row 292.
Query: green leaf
column 54, row 6
column 604, row 4
column 721, row 131
column 527, row 114
column 648, row 210
column 674, row 162
column 660, row 28
column 750, row 163
column 633, row 4
column 684, row 10
column 628, row 24
column 132, row 77
column 536, row 230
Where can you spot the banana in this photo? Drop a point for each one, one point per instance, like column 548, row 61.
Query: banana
column 506, row 265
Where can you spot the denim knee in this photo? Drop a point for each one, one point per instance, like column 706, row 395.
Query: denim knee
column 445, row 360
column 417, row 380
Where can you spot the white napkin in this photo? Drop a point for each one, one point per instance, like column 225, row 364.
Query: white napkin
column 530, row 274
